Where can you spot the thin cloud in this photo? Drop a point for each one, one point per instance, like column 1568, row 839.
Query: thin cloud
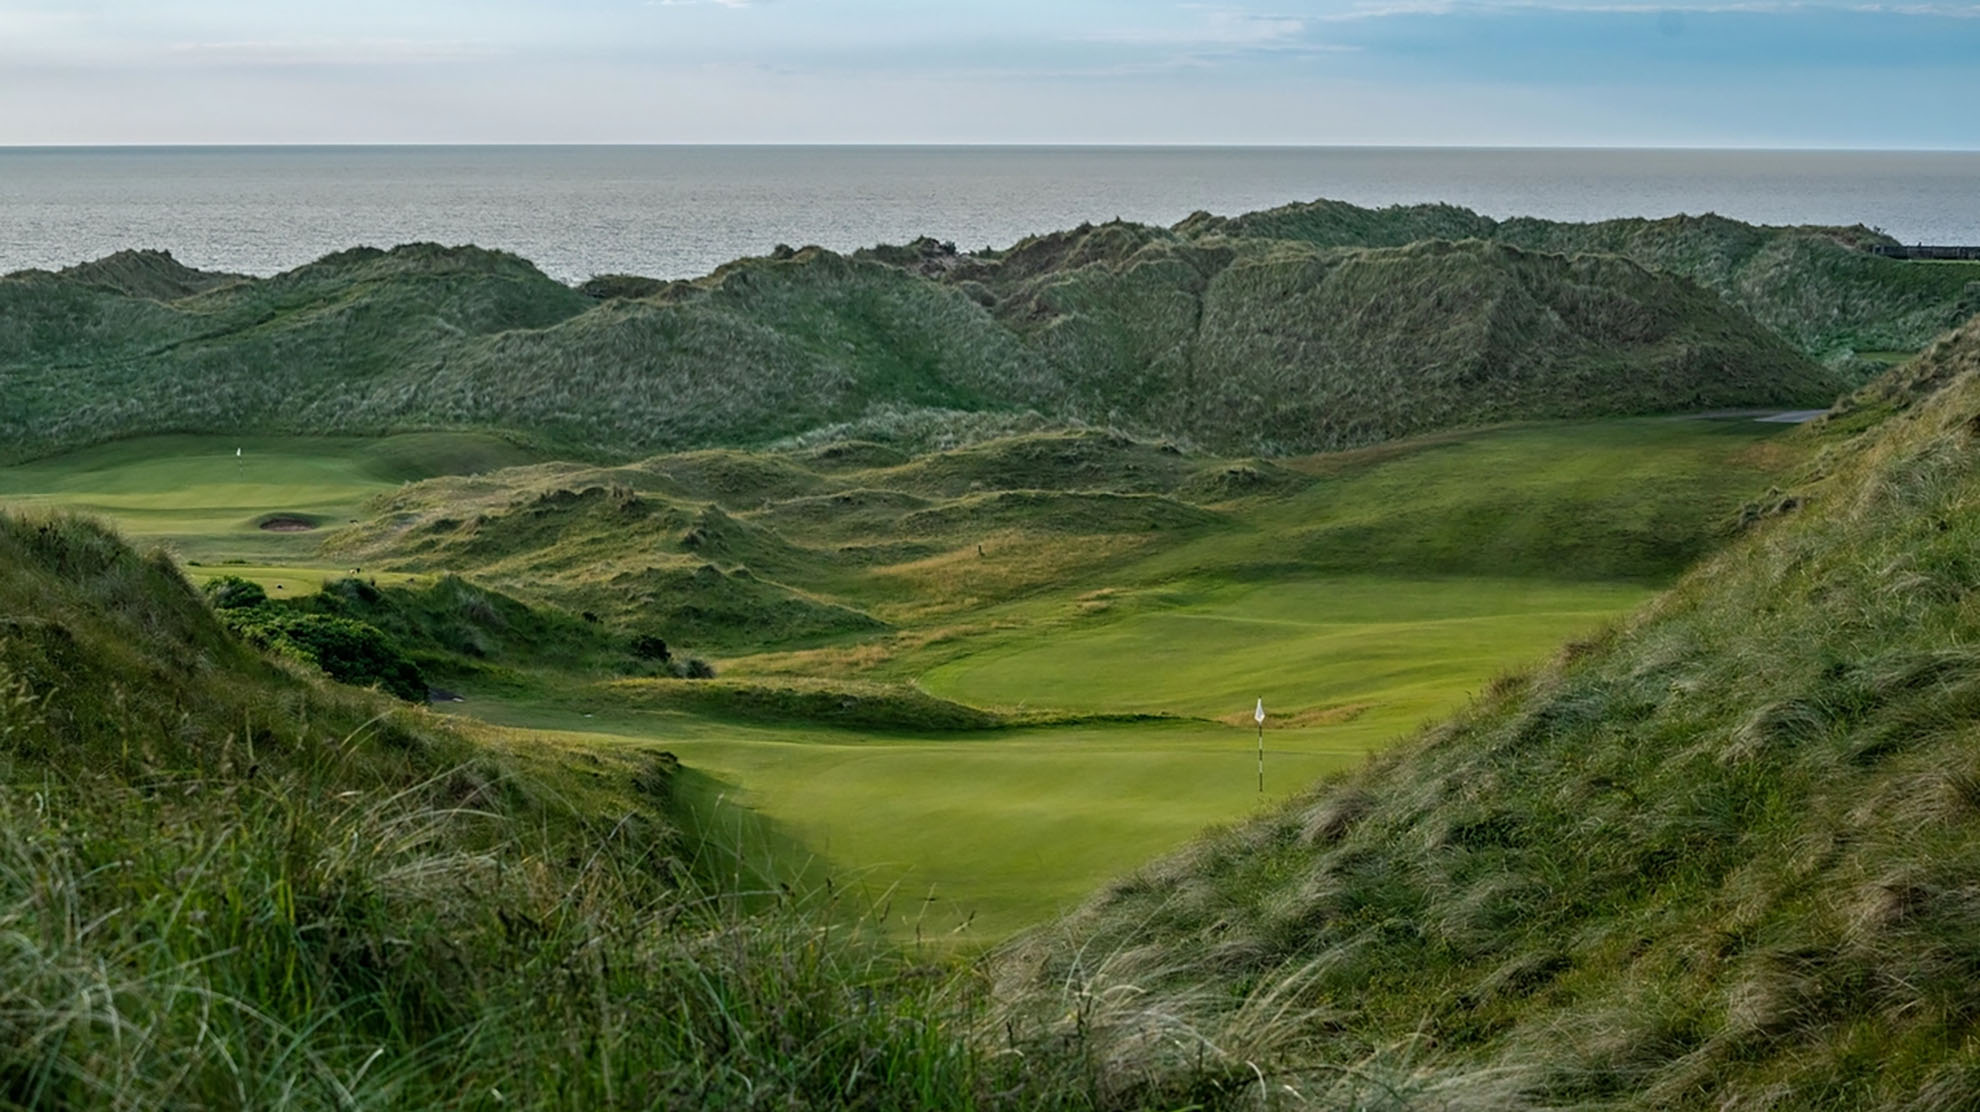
column 328, row 52
column 1384, row 9
column 1219, row 27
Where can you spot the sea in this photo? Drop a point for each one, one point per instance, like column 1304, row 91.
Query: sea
column 681, row 211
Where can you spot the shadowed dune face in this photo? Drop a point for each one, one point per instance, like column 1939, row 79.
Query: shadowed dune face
column 1242, row 342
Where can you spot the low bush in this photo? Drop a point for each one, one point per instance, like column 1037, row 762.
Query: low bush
column 231, row 592
column 347, row 651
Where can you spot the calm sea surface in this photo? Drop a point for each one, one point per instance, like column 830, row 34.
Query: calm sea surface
column 680, row 211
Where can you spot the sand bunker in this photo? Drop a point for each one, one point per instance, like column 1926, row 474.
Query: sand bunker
column 288, row 525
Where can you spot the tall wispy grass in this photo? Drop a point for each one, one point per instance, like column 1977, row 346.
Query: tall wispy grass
column 223, row 886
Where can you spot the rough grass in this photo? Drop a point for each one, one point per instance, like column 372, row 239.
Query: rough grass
column 1720, row 857
column 1279, row 346
column 222, row 886
column 1815, row 287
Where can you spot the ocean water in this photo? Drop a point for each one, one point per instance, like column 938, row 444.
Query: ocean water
column 681, row 211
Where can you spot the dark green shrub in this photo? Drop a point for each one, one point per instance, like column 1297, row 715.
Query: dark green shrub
column 231, row 592
column 348, row 651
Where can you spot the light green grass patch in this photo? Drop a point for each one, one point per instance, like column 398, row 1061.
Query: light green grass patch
column 195, row 495
column 291, row 582
column 965, row 839
column 1399, row 650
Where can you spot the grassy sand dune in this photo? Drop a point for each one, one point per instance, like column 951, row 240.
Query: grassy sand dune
column 1245, row 343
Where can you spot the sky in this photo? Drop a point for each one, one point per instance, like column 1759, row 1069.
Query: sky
column 1703, row 73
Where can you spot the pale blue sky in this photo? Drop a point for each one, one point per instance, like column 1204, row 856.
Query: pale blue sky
column 1557, row 72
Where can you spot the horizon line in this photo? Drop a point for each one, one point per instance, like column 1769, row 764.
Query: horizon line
column 1059, row 145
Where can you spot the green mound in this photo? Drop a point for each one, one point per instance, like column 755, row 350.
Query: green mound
column 838, row 454
column 738, row 480
column 348, row 344
column 1217, row 333
column 1222, row 481
column 1719, row 855
column 1816, row 287
column 719, row 610
column 147, row 274
column 1070, row 461
column 585, row 541
column 852, row 514
column 1058, row 512
column 1271, row 344
column 864, row 707
column 345, row 649
column 461, row 634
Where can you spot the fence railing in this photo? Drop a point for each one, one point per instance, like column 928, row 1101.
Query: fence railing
column 1900, row 251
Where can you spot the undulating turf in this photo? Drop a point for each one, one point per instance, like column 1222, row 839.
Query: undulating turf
column 962, row 839
column 1379, row 653
column 977, row 834
column 1359, row 594
column 198, row 497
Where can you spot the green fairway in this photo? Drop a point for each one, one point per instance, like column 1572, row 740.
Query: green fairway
column 286, row 579
column 196, row 495
column 1386, row 652
column 969, row 838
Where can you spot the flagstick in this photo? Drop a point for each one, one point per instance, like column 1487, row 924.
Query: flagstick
column 1258, row 716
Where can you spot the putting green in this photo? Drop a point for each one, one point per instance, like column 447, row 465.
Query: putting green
column 964, row 839
column 1386, row 652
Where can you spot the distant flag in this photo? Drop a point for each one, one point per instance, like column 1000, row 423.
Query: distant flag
column 1258, row 716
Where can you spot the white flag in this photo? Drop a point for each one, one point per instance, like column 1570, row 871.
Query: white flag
column 1258, row 715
